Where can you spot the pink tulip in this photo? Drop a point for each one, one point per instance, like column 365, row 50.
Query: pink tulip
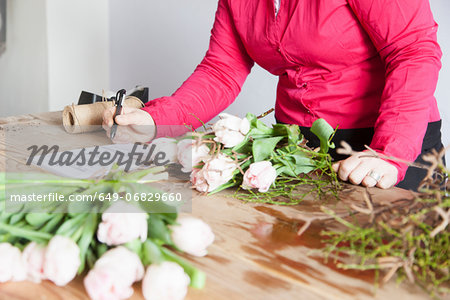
column 192, row 235
column 260, row 175
column 166, row 281
column 190, row 154
column 61, row 260
column 113, row 275
column 33, row 256
column 216, row 171
column 230, row 130
column 121, row 225
column 198, row 180
column 12, row 266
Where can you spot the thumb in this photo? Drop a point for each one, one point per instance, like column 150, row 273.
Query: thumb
column 126, row 119
column 336, row 166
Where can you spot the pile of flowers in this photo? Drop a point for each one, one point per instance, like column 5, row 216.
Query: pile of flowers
column 249, row 154
column 123, row 245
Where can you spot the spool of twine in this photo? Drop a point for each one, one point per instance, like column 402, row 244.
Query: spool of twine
column 89, row 117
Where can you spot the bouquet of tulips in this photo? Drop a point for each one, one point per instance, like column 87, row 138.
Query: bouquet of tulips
column 114, row 246
column 247, row 153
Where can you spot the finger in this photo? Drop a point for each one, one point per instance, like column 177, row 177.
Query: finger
column 359, row 172
column 108, row 117
column 387, row 181
column 347, row 166
column 369, row 181
column 127, row 118
column 335, row 166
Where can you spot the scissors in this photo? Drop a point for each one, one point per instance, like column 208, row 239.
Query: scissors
column 120, row 96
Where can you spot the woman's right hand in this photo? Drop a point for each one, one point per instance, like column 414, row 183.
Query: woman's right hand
column 135, row 125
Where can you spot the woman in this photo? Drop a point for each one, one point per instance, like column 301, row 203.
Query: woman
column 369, row 67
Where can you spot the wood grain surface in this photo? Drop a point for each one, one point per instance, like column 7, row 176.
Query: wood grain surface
column 257, row 253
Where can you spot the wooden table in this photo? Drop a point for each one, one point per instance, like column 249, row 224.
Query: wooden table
column 257, row 253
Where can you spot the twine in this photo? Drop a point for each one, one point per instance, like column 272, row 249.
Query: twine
column 88, row 117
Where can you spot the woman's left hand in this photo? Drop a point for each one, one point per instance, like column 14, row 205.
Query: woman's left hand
column 368, row 171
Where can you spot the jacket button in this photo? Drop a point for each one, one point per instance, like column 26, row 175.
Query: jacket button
column 305, row 85
column 279, row 49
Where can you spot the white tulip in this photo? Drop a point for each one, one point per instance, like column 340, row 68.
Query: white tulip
column 165, row 281
column 62, row 260
column 12, row 266
column 190, row 154
column 114, row 274
column 192, row 235
column 122, row 223
column 34, row 256
column 230, row 130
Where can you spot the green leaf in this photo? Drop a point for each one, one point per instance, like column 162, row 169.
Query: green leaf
column 86, row 238
column 53, row 224
column 286, row 171
column 90, row 258
column 243, row 147
column 257, row 128
column 303, row 163
column 169, row 218
column 135, row 246
column 151, row 253
column 294, row 134
column 38, row 219
column 263, row 148
column 101, row 249
column 157, row 229
column 16, row 218
column 71, row 225
column 324, row 132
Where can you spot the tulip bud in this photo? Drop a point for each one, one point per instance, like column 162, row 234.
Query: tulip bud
column 33, row 256
column 122, row 223
column 230, row 130
column 192, row 235
column 166, row 281
column 12, row 267
column 61, row 260
column 114, row 274
column 190, row 154
column 260, row 175
column 216, row 171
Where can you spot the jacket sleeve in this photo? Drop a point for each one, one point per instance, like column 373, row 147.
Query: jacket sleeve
column 212, row 87
column 404, row 33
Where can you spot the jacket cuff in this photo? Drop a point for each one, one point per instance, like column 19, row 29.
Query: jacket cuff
column 397, row 148
column 165, row 125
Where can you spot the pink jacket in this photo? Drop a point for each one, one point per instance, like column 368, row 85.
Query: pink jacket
column 355, row 63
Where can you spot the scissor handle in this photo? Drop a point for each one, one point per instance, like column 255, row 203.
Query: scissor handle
column 119, row 96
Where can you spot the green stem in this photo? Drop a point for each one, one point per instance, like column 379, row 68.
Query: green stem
column 25, row 233
column 198, row 277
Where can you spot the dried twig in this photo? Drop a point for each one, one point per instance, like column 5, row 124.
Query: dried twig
column 445, row 218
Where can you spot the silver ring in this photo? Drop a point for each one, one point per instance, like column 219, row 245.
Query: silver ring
column 376, row 176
